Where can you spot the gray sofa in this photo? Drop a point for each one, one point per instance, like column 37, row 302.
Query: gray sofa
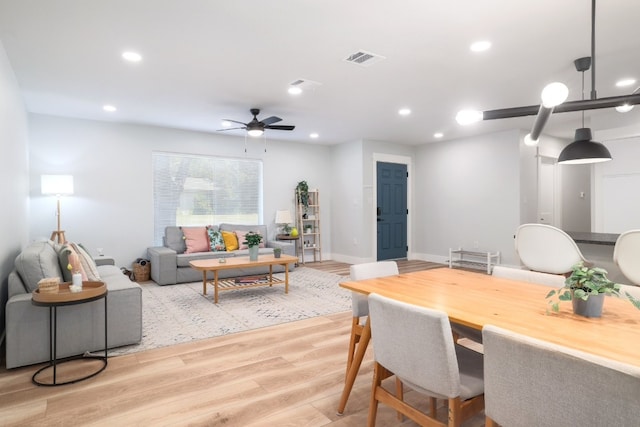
column 170, row 263
column 80, row 327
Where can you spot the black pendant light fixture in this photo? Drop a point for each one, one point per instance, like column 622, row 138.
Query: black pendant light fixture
column 589, row 151
column 583, row 150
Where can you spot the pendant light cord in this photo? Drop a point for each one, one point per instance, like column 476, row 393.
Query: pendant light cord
column 593, row 50
column 583, row 96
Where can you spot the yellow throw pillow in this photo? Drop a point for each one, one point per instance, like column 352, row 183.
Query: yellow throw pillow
column 230, row 240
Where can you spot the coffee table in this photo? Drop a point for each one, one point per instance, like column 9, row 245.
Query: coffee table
column 215, row 265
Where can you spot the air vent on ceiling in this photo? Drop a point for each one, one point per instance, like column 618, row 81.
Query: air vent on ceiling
column 364, row 58
column 304, row 84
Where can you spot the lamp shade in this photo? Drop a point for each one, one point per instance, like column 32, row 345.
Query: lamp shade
column 283, row 217
column 583, row 150
column 56, row 185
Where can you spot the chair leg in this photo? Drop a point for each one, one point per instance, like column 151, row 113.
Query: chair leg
column 377, row 382
column 455, row 410
column 400, row 396
column 488, row 422
column 433, row 407
column 356, row 331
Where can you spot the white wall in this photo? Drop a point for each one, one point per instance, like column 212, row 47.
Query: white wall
column 112, row 207
column 14, row 176
column 467, row 195
column 616, row 205
column 347, row 199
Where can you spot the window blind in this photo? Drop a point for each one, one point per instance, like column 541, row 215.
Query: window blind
column 193, row 190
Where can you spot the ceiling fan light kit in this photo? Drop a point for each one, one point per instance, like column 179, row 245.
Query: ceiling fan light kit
column 257, row 127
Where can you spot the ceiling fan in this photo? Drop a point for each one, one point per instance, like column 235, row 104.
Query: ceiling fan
column 256, row 127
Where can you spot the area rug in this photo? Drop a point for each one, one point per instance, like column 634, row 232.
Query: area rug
column 176, row 314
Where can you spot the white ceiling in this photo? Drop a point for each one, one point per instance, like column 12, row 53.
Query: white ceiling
column 206, row 60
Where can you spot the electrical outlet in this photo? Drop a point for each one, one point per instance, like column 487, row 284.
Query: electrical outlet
column 475, row 244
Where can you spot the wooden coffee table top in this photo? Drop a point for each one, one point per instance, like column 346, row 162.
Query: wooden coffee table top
column 240, row 261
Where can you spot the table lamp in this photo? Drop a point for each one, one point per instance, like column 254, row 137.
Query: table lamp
column 57, row 185
column 283, row 218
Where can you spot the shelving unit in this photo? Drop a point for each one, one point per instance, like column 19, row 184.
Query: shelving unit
column 308, row 224
column 473, row 259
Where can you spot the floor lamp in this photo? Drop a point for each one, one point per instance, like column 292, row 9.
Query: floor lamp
column 57, row 185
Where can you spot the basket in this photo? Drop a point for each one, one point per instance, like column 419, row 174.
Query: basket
column 141, row 273
column 49, row 285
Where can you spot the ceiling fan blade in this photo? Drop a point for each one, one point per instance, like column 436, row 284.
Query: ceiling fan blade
column 220, row 130
column 270, row 120
column 280, row 127
column 234, row 121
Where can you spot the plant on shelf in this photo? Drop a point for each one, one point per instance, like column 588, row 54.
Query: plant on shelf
column 302, row 189
column 252, row 239
column 584, row 284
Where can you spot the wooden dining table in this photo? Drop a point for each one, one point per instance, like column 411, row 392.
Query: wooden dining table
column 477, row 299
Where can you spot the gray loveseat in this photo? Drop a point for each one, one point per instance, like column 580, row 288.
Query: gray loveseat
column 170, row 263
column 80, row 327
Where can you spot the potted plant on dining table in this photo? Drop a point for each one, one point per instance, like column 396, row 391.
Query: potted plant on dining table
column 586, row 288
column 253, row 239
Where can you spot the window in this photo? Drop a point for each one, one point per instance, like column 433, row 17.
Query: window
column 201, row 190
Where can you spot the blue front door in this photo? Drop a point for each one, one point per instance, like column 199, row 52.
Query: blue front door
column 391, row 211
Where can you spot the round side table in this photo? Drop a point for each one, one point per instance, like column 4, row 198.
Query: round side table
column 91, row 291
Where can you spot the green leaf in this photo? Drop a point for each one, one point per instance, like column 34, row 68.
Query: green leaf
column 632, row 300
column 579, row 293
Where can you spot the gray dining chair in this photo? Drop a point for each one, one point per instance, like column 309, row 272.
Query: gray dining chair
column 547, row 249
column 359, row 306
column 547, row 279
column 529, row 382
column 416, row 345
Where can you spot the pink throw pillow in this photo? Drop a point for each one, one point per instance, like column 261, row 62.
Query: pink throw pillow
column 196, row 239
column 242, row 239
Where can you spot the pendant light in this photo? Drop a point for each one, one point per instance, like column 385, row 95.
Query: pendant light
column 467, row 117
column 583, row 150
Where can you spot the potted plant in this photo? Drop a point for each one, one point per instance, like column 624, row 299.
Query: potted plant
column 277, row 252
column 586, row 288
column 302, row 189
column 253, row 239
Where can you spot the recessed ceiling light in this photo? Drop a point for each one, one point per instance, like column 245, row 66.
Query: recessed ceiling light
column 438, row 135
column 109, row 108
column 625, row 82
column 294, row 90
column 132, row 56
column 404, row 111
column 226, row 123
column 313, row 135
column 480, row 46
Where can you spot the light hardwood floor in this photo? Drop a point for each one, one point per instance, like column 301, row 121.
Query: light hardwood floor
column 284, row 375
